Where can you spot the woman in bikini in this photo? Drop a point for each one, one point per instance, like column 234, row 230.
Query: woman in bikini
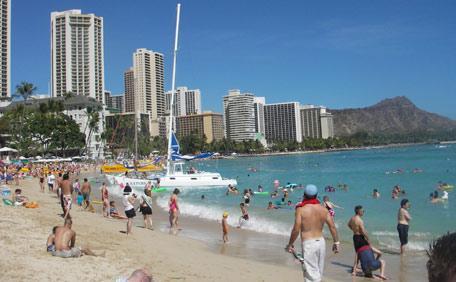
column 330, row 206
column 173, row 209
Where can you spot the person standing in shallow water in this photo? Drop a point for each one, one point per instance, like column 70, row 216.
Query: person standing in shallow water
column 403, row 219
column 173, row 209
column 310, row 218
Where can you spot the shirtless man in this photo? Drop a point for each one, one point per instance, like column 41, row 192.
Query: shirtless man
column 64, row 242
column 67, row 191
column 403, row 219
column 85, row 190
column 364, row 251
column 310, row 218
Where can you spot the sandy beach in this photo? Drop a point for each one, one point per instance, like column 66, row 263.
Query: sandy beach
column 189, row 256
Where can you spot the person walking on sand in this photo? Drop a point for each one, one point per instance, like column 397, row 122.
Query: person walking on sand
column 105, row 199
column 173, row 209
column 65, row 240
column 67, row 198
column 50, row 181
column 225, row 227
column 86, row 189
column 128, row 202
column 40, row 175
column 364, row 251
column 145, row 206
column 310, row 217
column 403, row 219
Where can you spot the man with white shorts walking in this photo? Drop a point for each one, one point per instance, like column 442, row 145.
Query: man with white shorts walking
column 310, row 217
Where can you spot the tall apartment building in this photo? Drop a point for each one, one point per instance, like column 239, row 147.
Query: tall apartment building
column 186, row 101
column 239, row 116
column 258, row 109
column 207, row 124
column 310, row 121
column 149, row 86
column 316, row 122
column 5, row 49
column 282, row 122
column 327, row 125
column 149, row 82
column 77, row 56
column 129, row 87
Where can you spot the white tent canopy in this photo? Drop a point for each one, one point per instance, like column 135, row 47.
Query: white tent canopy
column 7, row 149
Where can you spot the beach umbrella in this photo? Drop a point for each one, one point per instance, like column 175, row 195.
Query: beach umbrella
column 6, row 149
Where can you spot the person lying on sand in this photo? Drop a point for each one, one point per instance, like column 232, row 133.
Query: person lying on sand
column 65, row 240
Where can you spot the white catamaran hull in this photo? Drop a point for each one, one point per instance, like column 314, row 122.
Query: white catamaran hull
column 179, row 180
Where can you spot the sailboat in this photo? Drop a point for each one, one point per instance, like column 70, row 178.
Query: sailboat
column 176, row 175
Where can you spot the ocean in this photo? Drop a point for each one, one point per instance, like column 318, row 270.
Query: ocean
column 416, row 169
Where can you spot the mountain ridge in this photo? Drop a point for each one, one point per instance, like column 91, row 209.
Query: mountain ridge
column 397, row 115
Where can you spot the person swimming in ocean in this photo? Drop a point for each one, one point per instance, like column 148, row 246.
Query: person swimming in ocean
column 375, row 194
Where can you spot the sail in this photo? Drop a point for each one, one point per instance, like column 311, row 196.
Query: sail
column 175, row 155
column 174, row 144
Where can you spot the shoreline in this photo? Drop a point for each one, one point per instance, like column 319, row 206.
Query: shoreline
column 399, row 145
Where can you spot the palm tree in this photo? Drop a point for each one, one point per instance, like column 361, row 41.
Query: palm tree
column 25, row 90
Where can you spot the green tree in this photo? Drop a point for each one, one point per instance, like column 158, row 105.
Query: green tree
column 25, row 90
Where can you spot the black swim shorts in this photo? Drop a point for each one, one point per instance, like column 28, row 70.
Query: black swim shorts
column 359, row 241
column 130, row 213
column 402, row 229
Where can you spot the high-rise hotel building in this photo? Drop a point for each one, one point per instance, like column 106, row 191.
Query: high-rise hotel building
column 149, row 93
column 5, row 51
column 239, row 116
column 77, row 56
column 129, row 87
column 282, row 122
column 316, row 122
column 186, row 101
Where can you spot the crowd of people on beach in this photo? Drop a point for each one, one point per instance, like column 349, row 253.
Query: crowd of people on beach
column 310, row 216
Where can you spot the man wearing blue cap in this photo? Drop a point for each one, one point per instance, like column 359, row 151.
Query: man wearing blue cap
column 310, row 217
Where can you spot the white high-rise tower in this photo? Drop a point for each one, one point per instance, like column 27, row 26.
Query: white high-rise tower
column 5, row 49
column 77, row 56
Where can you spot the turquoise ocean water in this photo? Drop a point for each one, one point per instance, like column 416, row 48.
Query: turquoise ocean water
column 361, row 170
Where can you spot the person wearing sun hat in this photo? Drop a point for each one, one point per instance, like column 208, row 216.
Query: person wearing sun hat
column 310, row 217
column 225, row 227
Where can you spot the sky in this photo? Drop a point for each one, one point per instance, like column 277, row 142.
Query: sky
column 340, row 54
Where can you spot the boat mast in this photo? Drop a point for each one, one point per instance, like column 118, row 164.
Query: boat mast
column 173, row 90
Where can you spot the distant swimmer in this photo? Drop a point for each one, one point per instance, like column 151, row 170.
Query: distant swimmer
column 231, row 190
column 375, row 194
column 445, row 195
column 271, row 206
column 260, row 188
column 435, row 198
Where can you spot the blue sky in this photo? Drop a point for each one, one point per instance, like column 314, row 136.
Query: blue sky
column 335, row 53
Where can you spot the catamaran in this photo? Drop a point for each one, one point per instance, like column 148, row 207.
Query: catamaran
column 176, row 175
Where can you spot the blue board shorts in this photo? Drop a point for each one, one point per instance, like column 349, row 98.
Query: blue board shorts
column 368, row 261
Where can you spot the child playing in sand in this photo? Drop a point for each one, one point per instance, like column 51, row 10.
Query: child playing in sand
column 225, row 227
column 113, row 211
